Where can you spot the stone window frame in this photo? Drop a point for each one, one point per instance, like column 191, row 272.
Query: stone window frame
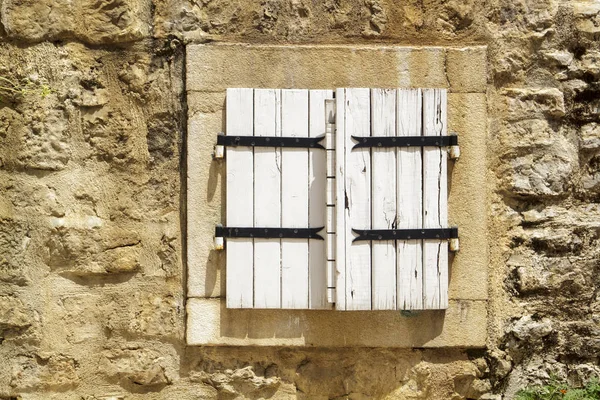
column 211, row 68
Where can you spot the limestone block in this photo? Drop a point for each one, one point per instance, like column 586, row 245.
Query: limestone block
column 529, row 277
column 529, row 329
column 526, row 135
column 37, row 139
column 204, row 211
column 14, row 315
column 149, row 311
column 46, row 371
column 80, row 316
column 241, row 382
column 14, row 242
column 537, row 160
column 587, row 13
column 467, row 196
column 211, row 323
column 210, row 67
column 527, row 103
column 115, row 21
column 545, row 170
column 112, row 136
column 559, row 58
column 467, row 69
column 137, row 366
column 590, row 182
column 539, row 174
column 92, row 250
column 590, row 63
column 162, row 137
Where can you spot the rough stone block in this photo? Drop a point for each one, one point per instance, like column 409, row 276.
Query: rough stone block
column 38, row 139
column 87, row 20
column 537, row 160
column 211, row 323
column 149, row 312
column 14, row 241
column 539, row 175
column 529, row 103
column 44, row 371
column 92, row 250
column 587, row 17
column 14, row 315
column 137, row 366
column 240, row 382
column 467, row 69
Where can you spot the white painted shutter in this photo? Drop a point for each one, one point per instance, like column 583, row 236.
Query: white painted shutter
column 387, row 188
column 240, row 200
column 273, row 187
column 341, row 189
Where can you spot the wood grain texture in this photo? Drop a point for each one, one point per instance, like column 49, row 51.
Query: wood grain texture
column 358, row 204
column 435, row 201
column 383, row 123
column 267, row 199
column 240, row 200
column 410, row 201
column 294, row 200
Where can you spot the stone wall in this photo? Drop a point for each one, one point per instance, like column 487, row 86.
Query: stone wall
column 92, row 272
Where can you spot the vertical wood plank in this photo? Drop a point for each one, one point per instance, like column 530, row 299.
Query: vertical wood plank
column 410, row 201
column 383, row 123
column 239, row 199
column 267, row 199
column 435, row 197
column 340, row 199
column 358, row 194
column 294, row 200
column 317, row 189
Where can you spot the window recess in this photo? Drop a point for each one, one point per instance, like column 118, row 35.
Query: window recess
column 337, row 199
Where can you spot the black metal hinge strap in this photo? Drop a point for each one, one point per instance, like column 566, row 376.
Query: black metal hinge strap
column 405, row 141
column 270, row 141
column 269, row 233
column 405, row 234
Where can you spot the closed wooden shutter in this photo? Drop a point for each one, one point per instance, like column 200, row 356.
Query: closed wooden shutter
column 341, row 188
column 390, row 188
column 273, row 187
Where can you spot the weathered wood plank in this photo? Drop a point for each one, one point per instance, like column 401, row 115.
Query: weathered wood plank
column 435, row 201
column 383, row 123
column 267, row 199
column 410, row 201
column 358, row 203
column 294, row 200
column 340, row 199
column 239, row 200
